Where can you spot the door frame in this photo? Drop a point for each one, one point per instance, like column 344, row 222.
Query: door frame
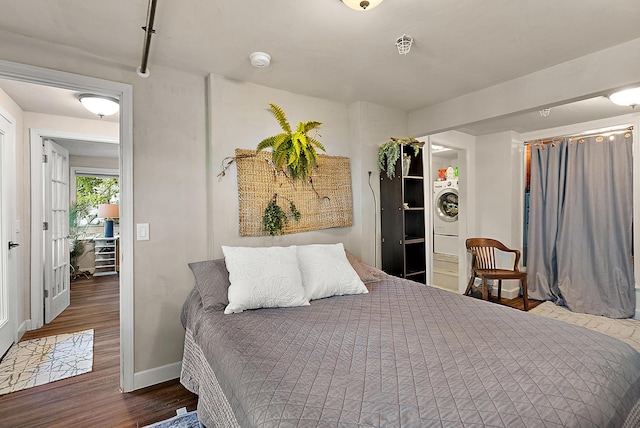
column 36, row 139
column 123, row 92
column 465, row 147
column 8, row 224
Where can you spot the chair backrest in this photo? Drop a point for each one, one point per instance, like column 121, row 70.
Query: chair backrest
column 484, row 251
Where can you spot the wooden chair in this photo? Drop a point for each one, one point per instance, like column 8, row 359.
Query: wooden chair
column 483, row 266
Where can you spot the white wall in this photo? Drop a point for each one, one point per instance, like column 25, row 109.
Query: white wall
column 595, row 74
column 69, row 124
column 93, row 162
column 240, row 118
column 499, row 185
column 499, row 191
column 370, row 126
column 169, row 151
column 173, row 161
column 494, row 187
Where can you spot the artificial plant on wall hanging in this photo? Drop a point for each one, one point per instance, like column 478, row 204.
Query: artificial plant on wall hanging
column 275, row 219
column 293, row 152
column 389, row 153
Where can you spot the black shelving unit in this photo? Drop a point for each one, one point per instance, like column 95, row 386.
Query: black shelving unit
column 402, row 220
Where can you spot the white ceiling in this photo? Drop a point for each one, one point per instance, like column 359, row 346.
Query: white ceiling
column 322, row 48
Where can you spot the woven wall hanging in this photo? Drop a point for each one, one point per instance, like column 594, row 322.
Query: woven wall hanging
column 324, row 203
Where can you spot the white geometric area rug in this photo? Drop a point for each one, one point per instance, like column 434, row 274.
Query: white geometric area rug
column 39, row 361
column 627, row 329
column 184, row 419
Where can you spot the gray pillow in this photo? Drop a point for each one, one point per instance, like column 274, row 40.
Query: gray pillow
column 366, row 272
column 212, row 281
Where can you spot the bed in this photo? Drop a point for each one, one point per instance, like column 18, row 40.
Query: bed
column 401, row 355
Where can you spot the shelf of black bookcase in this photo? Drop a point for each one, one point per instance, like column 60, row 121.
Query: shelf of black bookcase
column 419, row 276
column 413, row 177
column 414, row 209
column 413, row 240
column 415, row 272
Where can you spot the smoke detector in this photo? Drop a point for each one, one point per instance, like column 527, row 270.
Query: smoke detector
column 260, row 59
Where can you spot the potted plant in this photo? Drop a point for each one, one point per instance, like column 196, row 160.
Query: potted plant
column 293, row 151
column 389, row 153
column 76, row 244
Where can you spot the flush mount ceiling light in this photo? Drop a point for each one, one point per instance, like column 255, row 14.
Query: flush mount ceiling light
column 260, row 59
column 437, row 149
column 362, row 5
column 545, row 112
column 627, row 97
column 99, row 104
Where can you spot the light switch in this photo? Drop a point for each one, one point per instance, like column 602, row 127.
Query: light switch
column 142, row 231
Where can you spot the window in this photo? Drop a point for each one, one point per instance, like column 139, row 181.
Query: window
column 91, row 187
column 91, row 191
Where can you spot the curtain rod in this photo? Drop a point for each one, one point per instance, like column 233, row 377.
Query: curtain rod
column 559, row 138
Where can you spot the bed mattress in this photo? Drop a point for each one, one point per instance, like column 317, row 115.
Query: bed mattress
column 405, row 355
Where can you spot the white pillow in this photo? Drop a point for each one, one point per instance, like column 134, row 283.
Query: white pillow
column 263, row 278
column 326, row 271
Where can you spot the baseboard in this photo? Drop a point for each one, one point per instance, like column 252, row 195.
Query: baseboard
column 507, row 293
column 23, row 328
column 157, row 375
column 510, row 289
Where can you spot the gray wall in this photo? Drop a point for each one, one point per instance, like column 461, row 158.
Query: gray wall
column 169, row 183
column 239, row 118
column 190, row 212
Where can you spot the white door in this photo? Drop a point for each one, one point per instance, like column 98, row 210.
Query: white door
column 7, row 256
column 56, row 234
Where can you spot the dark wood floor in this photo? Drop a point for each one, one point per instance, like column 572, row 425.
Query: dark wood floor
column 517, row 302
column 92, row 399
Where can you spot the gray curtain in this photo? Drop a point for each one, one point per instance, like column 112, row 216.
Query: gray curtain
column 580, row 225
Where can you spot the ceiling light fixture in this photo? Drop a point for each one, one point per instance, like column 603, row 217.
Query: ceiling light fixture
column 404, row 44
column 260, row 59
column 362, row 5
column 99, row 104
column 437, row 148
column 627, row 97
column 545, row 112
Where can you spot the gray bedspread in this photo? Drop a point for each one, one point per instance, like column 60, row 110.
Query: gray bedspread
column 407, row 355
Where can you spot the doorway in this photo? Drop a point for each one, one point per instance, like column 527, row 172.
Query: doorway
column 122, row 92
column 461, row 153
column 94, row 191
column 444, row 185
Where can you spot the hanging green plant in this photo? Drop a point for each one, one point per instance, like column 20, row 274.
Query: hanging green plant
column 275, row 219
column 389, row 153
column 294, row 211
column 294, row 152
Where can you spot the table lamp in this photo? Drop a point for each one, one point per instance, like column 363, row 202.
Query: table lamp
column 108, row 212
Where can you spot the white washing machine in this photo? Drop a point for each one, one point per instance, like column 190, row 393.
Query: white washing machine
column 445, row 219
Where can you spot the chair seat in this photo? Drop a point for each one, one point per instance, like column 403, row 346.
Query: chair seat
column 500, row 274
